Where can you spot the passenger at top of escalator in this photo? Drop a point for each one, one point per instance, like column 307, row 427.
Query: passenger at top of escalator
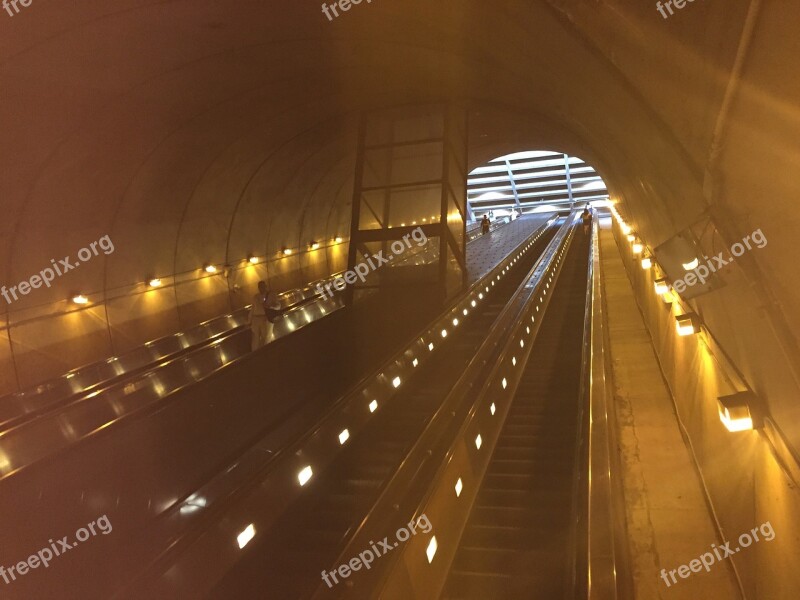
column 485, row 225
column 586, row 217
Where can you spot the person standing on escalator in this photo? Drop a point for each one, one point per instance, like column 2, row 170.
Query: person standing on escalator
column 263, row 314
column 586, row 217
column 485, row 225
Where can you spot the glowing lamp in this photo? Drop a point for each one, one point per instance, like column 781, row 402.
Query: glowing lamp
column 154, row 283
column 287, row 251
column 210, row 269
column 80, row 299
column 314, row 245
column 661, row 285
column 647, row 262
column 691, row 265
column 253, row 260
column 637, row 248
column 734, row 411
column 688, row 324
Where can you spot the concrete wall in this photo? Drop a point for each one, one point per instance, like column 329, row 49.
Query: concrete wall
column 751, row 478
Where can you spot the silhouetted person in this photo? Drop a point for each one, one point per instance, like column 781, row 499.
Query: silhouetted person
column 485, row 225
column 263, row 313
column 586, row 217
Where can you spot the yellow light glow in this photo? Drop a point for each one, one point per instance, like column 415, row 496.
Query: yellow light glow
column 430, row 347
column 646, row 263
column 337, row 240
column 478, row 442
column 691, row 265
column 314, row 245
column 253, row 260
column 492, row 409
column 459, row 487
column 732, row 423
column 246, row 535
column 637, row 248
column 661, row 285
column 687, row 324
column 414, row 362
column 80, row 299
column 373, row 406
column 431, row 550
column 210, row 269
column 344, row 436
column 304, row 475
column 396, row 382
column 154, row 283
column 444, row 333
column 287, row 251
column 631, row 237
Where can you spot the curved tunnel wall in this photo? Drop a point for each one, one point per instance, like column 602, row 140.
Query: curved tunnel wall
column 191, row 132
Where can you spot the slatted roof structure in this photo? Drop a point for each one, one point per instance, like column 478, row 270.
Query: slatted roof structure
column 533, row 179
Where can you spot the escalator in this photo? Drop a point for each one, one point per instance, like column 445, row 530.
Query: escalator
column 518, row 541
column 285, row 562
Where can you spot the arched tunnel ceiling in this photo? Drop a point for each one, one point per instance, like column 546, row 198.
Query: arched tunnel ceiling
column 191, row 131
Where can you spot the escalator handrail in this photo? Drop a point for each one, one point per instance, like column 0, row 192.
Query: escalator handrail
column 506, row 321
column 289, row 453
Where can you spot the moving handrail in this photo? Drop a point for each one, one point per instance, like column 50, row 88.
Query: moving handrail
column 470, row 418
column 43, row 435
column 92, row 378
column 265, row 485
column 608, row 575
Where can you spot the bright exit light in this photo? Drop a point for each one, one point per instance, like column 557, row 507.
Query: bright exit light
column 459, row 487
column 373, row 406
column 396, row 382
column 431, row 551
column 344, row 436
column 304, row 475
column 80, row 299
column 246, row 535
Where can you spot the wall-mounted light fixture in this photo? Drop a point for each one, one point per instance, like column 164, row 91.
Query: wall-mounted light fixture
column 253, row 260
column 662, row 286
column 688, row 324
column 154, row 282
column 637, row 248
column 337, row 240
column 314, row 245
column 80, row 299
column 286, row 251
column 210, row 269
column 647, row 262
column 735, row 411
